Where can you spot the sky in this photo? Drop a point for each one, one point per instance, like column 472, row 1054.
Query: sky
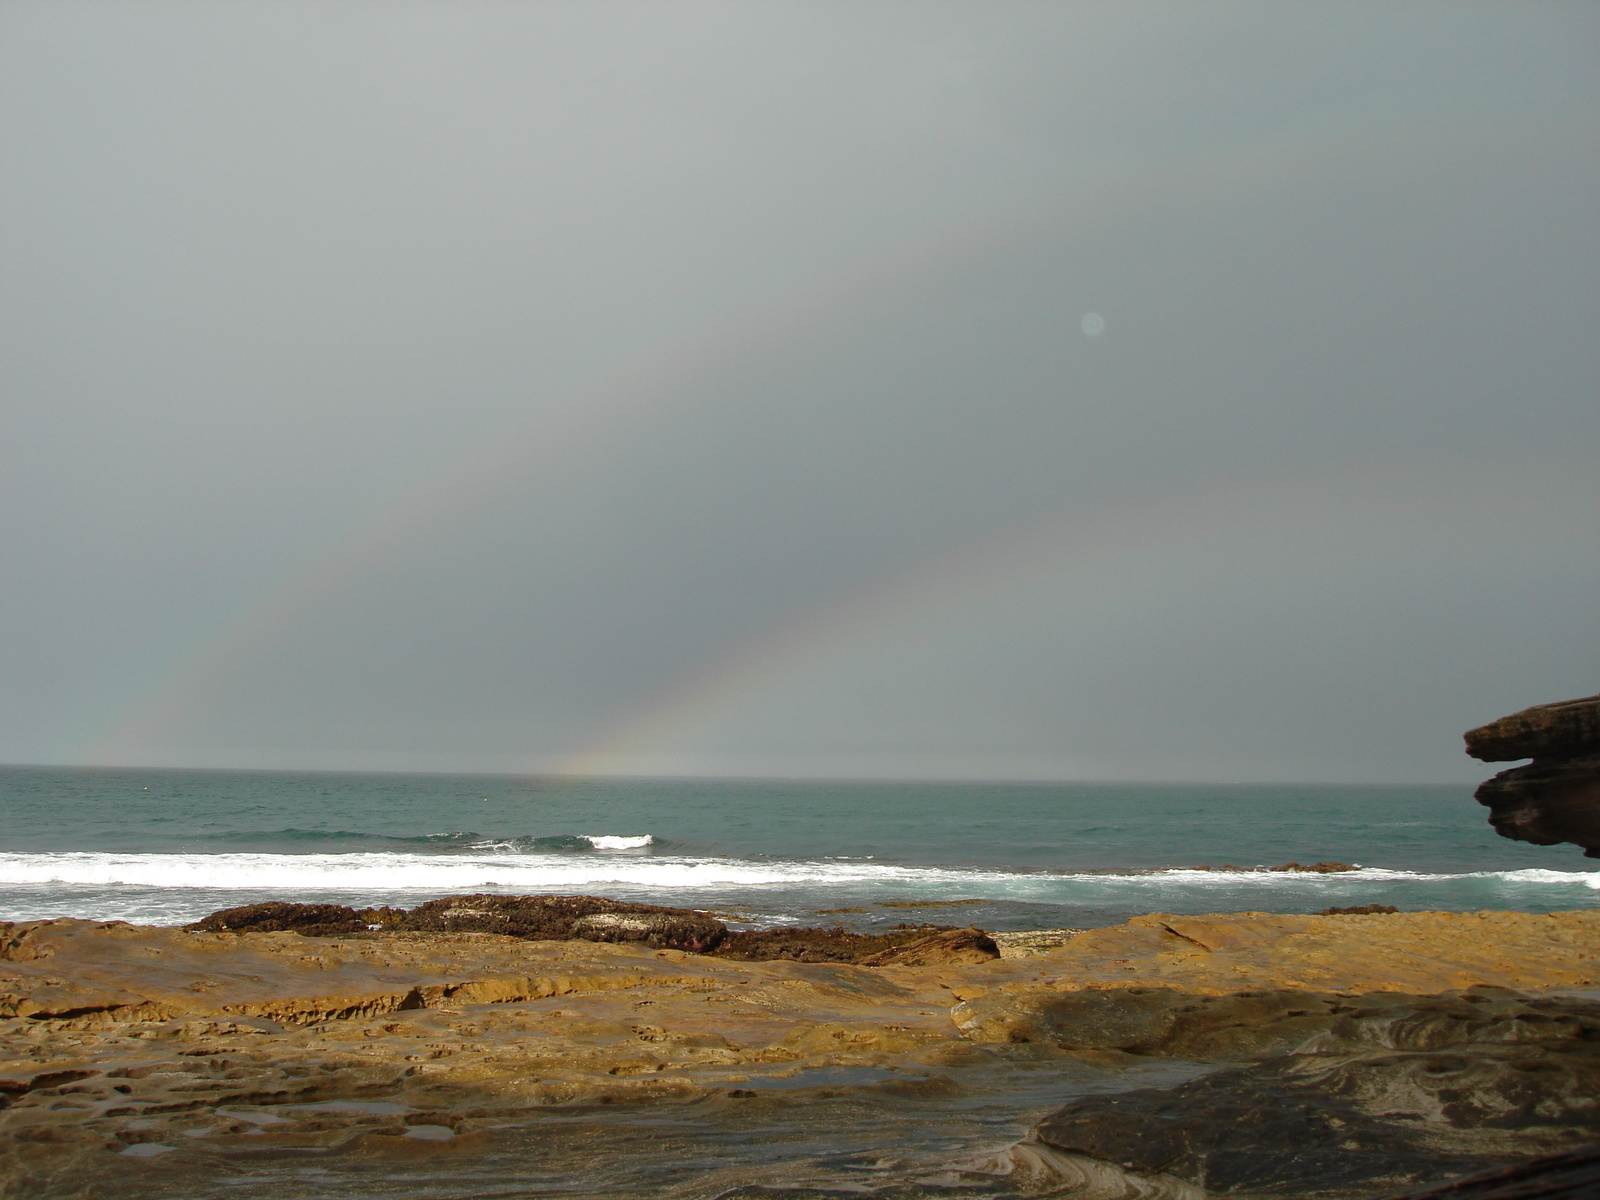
column 835, row 389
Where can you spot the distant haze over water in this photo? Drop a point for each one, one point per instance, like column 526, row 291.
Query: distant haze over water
column 165, row 847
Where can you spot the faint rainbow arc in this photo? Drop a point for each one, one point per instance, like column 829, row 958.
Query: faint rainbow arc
column 857, row 618
column 1086, row 540
column 636, row 390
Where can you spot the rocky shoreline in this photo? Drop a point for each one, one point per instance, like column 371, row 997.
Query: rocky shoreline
column 1346, row 1055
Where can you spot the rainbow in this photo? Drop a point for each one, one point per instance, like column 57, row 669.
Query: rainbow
column 1087, row 559
column 624, row 396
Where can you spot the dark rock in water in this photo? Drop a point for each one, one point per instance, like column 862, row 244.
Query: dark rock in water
column 597, row 919
column 820, row 945
column 1571, row 1176
column 277, row 916
column 951, row 947
column 1321, row 868
column 1556, row 797
column 1381, row 1091
column 675, row 929
column 546, row 918
column 1360, row 910
column 559, row 918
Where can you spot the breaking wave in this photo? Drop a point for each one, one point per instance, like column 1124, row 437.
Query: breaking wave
column 455, row 840
column 553, row 869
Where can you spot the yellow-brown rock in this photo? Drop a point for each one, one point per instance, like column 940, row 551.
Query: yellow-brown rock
column 114, row 1037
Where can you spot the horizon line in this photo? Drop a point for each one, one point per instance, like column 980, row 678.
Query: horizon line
column 555, row 775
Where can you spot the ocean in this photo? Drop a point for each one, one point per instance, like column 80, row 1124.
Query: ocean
column 166, row 847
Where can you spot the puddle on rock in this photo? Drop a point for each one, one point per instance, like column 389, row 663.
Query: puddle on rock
column 147, row 1150
column 827, row 1077
column 371, row 1108
column 430, row 1133
column 859, row 1130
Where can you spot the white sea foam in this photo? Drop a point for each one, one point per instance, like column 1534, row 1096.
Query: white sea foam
column 616, row 841
column 1541, row 875
column 390, row 872
column 1300, row 879
column 387, row 872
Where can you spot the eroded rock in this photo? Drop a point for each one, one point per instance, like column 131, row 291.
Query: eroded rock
column 1559, row 730
column 1556, row 797
column 1547, row 803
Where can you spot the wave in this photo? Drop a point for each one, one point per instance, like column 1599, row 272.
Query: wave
column 386, row 871
column 293, row 834
column 454, row 839
column 570, row 841
column 616, row 841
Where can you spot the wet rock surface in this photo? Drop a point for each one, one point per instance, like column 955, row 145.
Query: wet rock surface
column 1556, row 797
column 1574, row 1175
column 1375, row 1091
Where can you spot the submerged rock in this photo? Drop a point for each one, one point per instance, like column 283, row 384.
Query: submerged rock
column 1318, row 868
column 559, row 918
column 1556, row 797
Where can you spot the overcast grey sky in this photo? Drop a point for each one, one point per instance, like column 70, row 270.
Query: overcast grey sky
column 1114, row 391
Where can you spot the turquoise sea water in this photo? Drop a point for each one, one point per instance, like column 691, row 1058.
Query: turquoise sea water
column 165, row 847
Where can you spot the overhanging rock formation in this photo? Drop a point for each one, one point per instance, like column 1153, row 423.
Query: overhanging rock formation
column 1556, row 797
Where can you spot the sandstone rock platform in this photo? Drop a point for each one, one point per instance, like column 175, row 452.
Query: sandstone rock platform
column 160, row 1058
